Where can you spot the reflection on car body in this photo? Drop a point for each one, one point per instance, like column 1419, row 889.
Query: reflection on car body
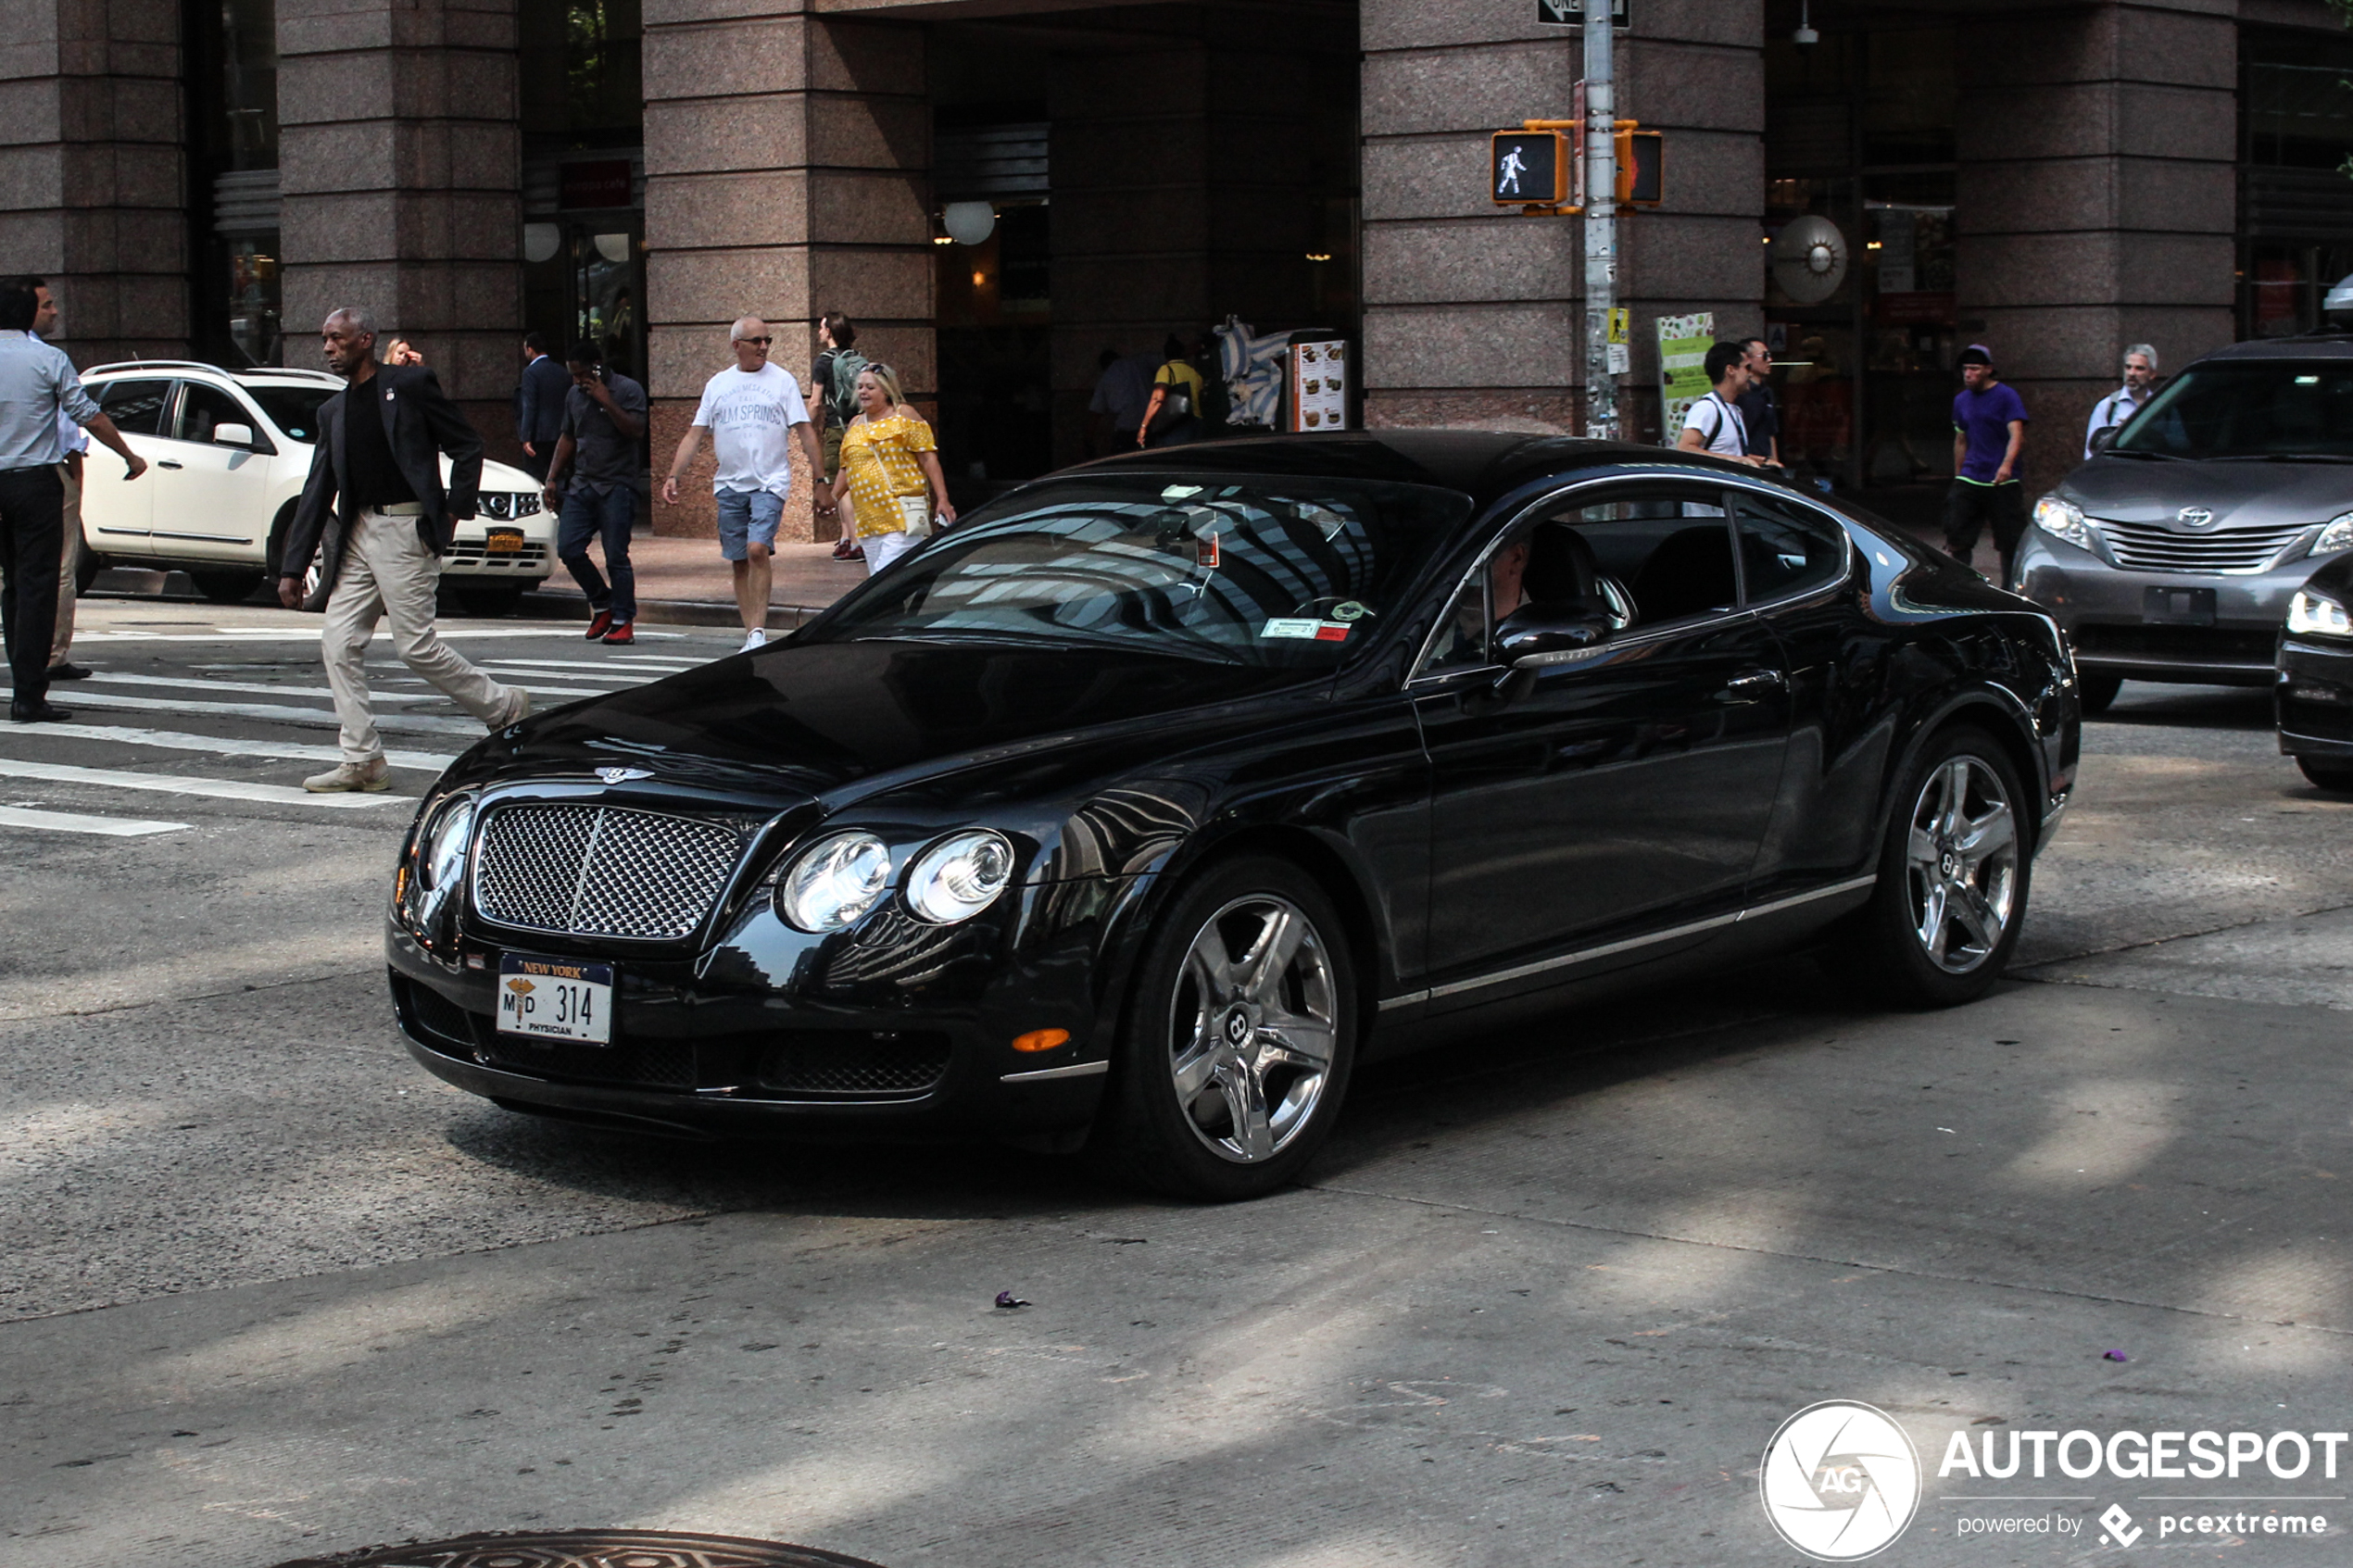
column 1142, row 805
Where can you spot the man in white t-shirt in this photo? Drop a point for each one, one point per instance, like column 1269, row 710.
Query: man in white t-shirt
column 752, row 411
column 1713, row 424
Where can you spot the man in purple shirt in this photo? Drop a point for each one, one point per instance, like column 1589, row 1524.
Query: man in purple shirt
column 1989, row 426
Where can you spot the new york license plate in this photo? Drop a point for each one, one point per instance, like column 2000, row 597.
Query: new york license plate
column 502, row 542
column 555, row 998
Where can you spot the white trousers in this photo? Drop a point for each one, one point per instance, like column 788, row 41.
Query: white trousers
column 884, row 548
column 387, row 574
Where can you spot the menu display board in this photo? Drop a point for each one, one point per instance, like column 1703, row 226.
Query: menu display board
column 1319, row 385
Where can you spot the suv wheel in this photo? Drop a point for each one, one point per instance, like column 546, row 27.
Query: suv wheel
column 2095, row 690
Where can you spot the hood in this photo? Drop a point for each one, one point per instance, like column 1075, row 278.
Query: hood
column 499, row 476
column 792, row 722
column 2240, row 495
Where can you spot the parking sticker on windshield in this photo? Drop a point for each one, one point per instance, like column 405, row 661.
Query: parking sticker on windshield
column 1307, row 630
column 1205, row 552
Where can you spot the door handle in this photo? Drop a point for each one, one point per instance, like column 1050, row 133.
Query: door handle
column 1753, row 685
column 169, row 463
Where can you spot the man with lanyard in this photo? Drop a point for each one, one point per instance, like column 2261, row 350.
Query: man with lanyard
column 597, row 450
column 1713, row 424
column 2140, row 386
column 37, row 383
column 1989, row 427
column 1760, row 415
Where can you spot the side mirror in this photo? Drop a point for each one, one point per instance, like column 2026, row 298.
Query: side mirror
column 2103, row 438
column 233, row 435
column 1544, row 631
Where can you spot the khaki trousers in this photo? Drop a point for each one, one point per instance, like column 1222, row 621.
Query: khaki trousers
column 68, row 563
column 387, row 574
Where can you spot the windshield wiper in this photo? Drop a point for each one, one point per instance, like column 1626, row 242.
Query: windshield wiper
column 2283, row 457
column 2151, row 457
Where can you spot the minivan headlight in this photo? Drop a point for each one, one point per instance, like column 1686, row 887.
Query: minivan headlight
column 2336, row 535
column 960, row 876
column 834, row 881
column 2312, row 613
column 2063, row 519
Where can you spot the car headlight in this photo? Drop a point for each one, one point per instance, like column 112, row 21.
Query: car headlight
column 834, row 881
column 443, row 859
column 2064, row 520
column 2338, row 535
column 960, row 876
column 2312, row 613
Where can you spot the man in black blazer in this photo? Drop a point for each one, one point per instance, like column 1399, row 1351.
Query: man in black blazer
column 539, row 403
column 376, row 503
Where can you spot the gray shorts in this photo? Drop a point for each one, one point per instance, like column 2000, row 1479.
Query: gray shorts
column 747, row 517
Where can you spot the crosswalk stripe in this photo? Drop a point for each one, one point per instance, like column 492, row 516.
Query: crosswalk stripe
column 73, row 822
column 225, row 746
column 313, row 718
column 171, row 783
column 205, row 682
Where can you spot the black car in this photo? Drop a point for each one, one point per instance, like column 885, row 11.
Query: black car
column 1148, row 801
column 2314, row 693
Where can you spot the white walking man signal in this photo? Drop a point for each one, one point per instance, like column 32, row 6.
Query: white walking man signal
column 1508, row 173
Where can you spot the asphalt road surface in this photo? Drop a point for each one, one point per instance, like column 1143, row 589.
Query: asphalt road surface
column 268, row 1290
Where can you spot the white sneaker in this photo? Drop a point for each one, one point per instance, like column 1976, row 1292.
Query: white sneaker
column 346, row 778
column 755, row 638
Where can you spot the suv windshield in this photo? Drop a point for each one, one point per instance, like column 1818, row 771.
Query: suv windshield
column 2284, row 408
column 1242, row 571
column 294, row 409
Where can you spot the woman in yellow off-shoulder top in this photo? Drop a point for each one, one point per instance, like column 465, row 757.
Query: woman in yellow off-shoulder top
column 889, row 464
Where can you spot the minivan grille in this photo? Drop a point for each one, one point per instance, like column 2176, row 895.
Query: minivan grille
column 601, row 870
column 2148, row 548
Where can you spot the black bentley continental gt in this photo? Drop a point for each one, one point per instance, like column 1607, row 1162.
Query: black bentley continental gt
column 1139, row 807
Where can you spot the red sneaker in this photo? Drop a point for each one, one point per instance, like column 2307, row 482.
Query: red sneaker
column 598, row 625
column 620, row 633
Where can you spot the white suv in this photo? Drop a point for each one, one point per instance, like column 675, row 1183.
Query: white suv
column 227, row 455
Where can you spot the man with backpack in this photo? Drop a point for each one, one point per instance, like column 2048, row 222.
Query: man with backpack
column 1713, row 424
column 835, row 381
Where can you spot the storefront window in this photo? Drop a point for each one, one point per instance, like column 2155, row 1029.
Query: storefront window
column 234, row 100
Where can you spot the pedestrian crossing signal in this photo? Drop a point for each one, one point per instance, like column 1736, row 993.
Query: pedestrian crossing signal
column 1641, row 167
column 1528, row 168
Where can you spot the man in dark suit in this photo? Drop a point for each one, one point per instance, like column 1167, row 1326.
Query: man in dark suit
column 375, row 498
column 539, row 403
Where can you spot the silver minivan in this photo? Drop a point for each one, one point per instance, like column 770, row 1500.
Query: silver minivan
column 2172, row 554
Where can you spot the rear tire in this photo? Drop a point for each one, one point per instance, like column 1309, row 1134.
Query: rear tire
column 1953, row 877
column 85, row 571
column 2095, row 691
column 227, row 587
column 2328, row 772
column 1238, row 1040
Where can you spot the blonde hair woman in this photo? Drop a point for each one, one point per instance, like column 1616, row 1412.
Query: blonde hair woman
column 889, row 464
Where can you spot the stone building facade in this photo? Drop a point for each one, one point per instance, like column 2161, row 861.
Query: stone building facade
column 2058, row 179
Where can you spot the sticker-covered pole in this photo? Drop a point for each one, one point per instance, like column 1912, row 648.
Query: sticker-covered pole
column 1601, row 220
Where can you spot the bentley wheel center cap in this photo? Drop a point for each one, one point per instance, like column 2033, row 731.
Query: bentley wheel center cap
column 1237, row 1028
column 1950, row 865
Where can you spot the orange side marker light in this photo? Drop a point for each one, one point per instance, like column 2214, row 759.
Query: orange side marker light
column 1041, row 1040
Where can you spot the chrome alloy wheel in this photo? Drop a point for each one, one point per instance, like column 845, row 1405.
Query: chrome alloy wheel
column 1253, row 1027
column 1961, row 864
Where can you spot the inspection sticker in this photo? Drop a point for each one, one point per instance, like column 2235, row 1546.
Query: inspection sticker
column 1307, row 629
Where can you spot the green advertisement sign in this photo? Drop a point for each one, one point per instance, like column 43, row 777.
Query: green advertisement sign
column 1683, row 341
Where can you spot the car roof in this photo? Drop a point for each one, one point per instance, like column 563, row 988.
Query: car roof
column 2316, row 346
column 1483, row 464
column 259, row 375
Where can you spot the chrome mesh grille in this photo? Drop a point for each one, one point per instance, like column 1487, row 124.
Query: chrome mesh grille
column 600, row 871
column 2145, row 547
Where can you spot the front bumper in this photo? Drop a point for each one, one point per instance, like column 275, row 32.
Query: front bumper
column 2104, row 611
column 889, row 1029
column 2313, row 699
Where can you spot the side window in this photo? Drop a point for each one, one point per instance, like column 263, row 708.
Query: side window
column 1461, row 642
column 1784, row 551
column 135, row 406
column 1653, row 557
column 203, row 406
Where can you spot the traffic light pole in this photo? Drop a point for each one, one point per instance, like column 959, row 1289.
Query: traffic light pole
column 1601, row 220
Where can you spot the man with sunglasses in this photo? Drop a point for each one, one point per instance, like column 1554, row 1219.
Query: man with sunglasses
column 753, row 411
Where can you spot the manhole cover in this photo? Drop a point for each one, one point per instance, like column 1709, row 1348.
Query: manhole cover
column 586, row 1548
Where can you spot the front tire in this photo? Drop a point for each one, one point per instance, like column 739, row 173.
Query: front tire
column 2328, row 772
column 1240, row 1038
column 1953, row 877
column 2095, row 691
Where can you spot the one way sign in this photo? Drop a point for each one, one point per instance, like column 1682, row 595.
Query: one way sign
column 1571, row 13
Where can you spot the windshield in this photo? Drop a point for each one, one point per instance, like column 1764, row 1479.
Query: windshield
column 1243, row 571
column 2300, row 407
column 294, row 409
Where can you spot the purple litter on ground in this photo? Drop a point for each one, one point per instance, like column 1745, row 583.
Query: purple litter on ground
column 2105, row 1355
column 1007, row 1298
